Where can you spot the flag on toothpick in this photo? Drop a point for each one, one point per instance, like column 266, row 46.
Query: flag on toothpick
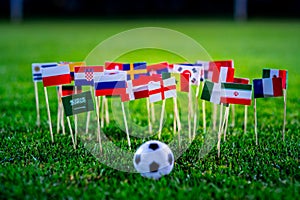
column 277, row 73
column 267, row 87
column 67, row 90
column 37, row 70
column 158, row 68
column 135, row 70
column 53, row 76
column 116, row 65
column 222, row 74
column 111, row 83
column 78, row 103
column 211, row 92
column 160, row 90
column 86, row 75
column 193, row 71
column 241, row 80
column 72, row 65
column 235, row 93
column 182, row 81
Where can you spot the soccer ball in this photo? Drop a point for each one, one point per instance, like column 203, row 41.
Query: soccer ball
column 153, row 159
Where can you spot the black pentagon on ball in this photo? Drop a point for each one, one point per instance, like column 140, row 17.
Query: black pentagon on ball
column 170, row 159
column 153, row 146
column 137, row 159
column 154, row 167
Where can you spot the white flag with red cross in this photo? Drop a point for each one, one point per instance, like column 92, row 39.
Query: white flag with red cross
column 160, row 90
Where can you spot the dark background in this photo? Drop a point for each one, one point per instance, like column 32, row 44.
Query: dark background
column 151, row 8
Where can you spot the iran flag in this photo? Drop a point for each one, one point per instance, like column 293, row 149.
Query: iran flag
column 235, row 93
column 53, row 76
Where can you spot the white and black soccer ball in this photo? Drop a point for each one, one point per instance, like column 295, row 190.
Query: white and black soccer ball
column 153, row 159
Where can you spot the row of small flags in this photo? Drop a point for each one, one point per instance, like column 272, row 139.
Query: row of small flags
column 158, row 81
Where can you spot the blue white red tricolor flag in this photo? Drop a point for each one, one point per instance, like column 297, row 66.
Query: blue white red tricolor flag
column 53, row 76
column 87, row 75
column 37, row 70
column 267, row 87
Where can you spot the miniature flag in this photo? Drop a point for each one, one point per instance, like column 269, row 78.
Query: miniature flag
column 158, row 68
column 72, row 65
column 275, row 73
column 222, row 74
column 267, row 87
column 116, row 65
column 192, row 70
column 182, row 81
column 69, row 90
column 87, row 75
column 37, row 70
column 78, row 103
column 223, row 63
column 160, row 90
column 111, row 83
column 135, row 70
column 138, row 88
column 241, row 80
column 211, row 92
column 58, row 75
column 235, row 93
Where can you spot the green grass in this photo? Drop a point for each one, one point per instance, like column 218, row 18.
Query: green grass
column 32, row 167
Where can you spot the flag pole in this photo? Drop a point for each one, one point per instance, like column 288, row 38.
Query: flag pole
column 225, row 123
column 245, row 119
column 190, row 113
column 177, row 120
column 215, row 117
column 233, row 115
column 70, row 127
column 284, row 113
column 102, row 111
column 49, row 114
column 75, row 122
column 149, row 116
column 152, row 112
column 195, row 113
column 126, row 126
column 161, row 118
column 203, row 112
column 220, row 132
column 36, row 92
column 88, row 116
column 62, row 122
column 106, row 111
column 59, row 108
column 255, row 122
column 98, row 123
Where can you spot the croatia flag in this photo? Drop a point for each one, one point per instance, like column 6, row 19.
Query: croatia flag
column 160, row 90
column 87, row 75
column 267, row 87
column 158, row 68
column 53, row 76
column 37, row 70
column 193, row 71
column 275, row 73
column 235, row 93
column 111, row 84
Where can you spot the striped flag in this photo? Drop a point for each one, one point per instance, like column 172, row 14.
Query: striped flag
column 72, row 65
column 158, row 68
column 111, row 84
column 160, row 90
column 267, row 87
column 211, row 92
column 87, row 75
column 241, row 80
column 193, row 71
column 222, row 74
column 37, row 70
column 182, row 81
column 135, row 70
column 138, row 88
column 275, row 73
column 67, row 90
column 236, row 93
column 78, row 103
column 53, row 76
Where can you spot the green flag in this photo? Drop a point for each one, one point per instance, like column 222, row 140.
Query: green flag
column 78, row 103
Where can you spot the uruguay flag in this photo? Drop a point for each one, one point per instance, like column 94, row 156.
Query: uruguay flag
column 37, row 70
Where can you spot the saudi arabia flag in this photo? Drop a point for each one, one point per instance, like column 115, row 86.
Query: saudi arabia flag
column 235, row 93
